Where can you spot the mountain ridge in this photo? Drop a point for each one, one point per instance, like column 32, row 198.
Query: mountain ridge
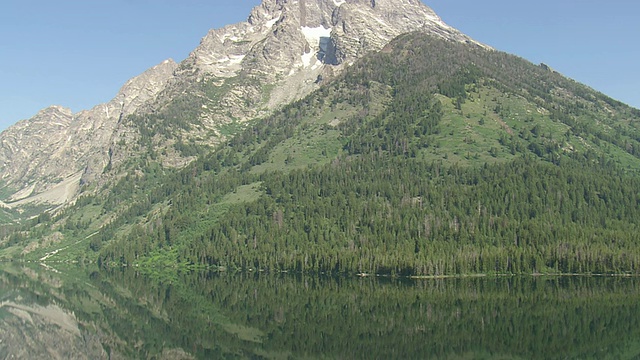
column 283, row 51
column 428, row 157
column 60, row 144
column 468, row 162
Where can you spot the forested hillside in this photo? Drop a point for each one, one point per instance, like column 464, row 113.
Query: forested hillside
column 428, row 158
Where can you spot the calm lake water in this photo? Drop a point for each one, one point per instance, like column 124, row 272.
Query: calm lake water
column 69, row 312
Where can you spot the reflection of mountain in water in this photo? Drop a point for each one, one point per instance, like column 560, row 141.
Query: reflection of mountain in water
column 45, row 331
column 47, row 315
column 76, row 314
column 33, row 326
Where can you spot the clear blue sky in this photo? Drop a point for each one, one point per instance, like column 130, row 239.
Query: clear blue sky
column 78, row 53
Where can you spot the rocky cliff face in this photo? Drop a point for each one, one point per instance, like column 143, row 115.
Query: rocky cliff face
column 44, row 159
column 285, row 50
column 290, row 46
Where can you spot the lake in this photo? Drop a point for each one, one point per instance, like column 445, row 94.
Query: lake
column 68, row 312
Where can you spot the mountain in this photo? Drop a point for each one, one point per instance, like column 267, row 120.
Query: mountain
column 431, row 155
column 284, row 50
column 467, row 161
column 45, row 159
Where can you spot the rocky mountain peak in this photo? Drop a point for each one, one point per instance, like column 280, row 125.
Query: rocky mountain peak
column 279, row 33
column 282, row 52
column 43, row 159
column 145, row 86
column 289, row 45
column 54, row 111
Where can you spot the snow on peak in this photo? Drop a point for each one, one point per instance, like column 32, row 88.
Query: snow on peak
column 313, row 37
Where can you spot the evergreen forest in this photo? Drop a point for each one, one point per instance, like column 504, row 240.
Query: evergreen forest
column 429, row 158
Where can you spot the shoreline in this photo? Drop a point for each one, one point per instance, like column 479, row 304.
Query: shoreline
column 147, row 269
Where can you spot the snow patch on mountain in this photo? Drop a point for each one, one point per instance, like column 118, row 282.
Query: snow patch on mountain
column 313, row 35
column 307, row 59
column 314, row 38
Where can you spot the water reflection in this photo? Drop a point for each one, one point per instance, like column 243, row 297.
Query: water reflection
column 84, row 313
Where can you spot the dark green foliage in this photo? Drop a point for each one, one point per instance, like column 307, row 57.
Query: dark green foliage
column 189, row 148
column 455, row 86
column 402, row 129
column 178, row 115
column 558, row 193
column 410, row 218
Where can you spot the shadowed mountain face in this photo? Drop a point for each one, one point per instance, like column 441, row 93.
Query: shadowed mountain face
column 284, row 50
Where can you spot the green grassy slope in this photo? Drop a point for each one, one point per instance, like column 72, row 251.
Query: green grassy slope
column 429, row 157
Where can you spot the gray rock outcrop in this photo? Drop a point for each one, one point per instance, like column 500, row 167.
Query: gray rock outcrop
column 282, row 52
column 57, row 147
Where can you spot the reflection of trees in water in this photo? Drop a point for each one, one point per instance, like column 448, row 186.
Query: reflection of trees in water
column 356, row 318
column 260, row 315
